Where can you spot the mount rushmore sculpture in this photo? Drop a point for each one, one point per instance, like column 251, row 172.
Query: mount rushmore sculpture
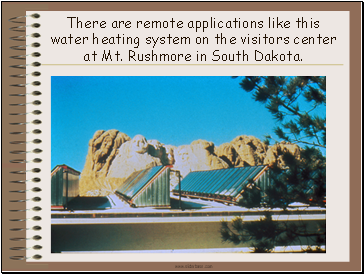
column 113, row 156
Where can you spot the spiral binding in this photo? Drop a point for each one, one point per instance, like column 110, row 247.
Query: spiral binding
column 22, row 28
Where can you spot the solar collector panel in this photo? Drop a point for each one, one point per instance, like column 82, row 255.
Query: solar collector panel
column 254, row 171
column 129, row 181
column 223, row 181
column 229, row 178
column 235, row 181
column 226, row 183
column 200, row 183
column 138, row 184
column 196, row 179
column 213, row 181
column 188, row 181
column 207, row 182
column 136, row 181
column 127, row 187
column 237, row 188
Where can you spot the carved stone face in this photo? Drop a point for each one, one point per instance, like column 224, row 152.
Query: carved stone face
column 155, row 148
column 155, row 143
column 184, row 154
column 170, row 155
column 139, row 144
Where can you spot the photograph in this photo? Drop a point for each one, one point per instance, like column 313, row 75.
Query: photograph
column 188, row 164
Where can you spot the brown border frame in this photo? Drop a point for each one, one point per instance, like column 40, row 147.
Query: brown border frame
column 12, row 9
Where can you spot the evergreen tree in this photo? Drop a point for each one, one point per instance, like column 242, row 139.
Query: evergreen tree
column 293, row 102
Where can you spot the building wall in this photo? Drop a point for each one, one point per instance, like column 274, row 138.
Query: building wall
column 64, row 186
column 143, row 236
column 73, row 185
column 157, row 194
column 57, row 190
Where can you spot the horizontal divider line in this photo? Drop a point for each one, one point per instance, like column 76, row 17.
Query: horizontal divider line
column 196, row 219
column 192, row 64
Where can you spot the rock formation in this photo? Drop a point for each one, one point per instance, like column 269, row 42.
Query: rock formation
column 168, row 158
column 197, row 156
column 228, row 153
column 133, row 156
column 275, row 153
column 103, row 148
column 113, row 157
column 250, row 149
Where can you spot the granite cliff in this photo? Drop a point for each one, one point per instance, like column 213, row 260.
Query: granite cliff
column 113, row 156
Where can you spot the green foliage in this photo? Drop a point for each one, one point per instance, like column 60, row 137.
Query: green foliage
column 292, row 101
column 251, row 196
column 302, row 180
column 262, row 235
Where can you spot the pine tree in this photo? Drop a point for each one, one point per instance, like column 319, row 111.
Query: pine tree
column 293, row 102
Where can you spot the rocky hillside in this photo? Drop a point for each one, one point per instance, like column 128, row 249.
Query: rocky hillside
column 113, row 156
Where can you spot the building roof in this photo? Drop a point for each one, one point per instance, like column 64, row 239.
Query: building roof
column 58, row 167
column 225, row 184
column 138, row 181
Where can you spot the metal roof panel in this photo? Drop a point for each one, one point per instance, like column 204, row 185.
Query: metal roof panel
column 228, row 182
column 138, row 180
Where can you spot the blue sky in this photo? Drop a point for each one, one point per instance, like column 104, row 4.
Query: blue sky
column 173, row 110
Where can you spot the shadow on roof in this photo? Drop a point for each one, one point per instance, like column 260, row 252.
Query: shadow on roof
column 187, row 205
column 89, row 203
